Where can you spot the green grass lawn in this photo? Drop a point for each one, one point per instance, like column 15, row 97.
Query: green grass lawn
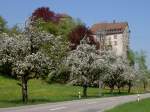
column 142, row 106
column 42, row 92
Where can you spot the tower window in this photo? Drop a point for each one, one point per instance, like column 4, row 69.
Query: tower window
column 115, row 43
column 115, row 36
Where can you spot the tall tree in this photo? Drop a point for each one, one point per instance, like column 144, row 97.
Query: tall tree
column 25, row 55
column 66, row 25
column 78, row 33
column 55, row 23
column 46, row 14
column 82, row 62
column 3, row 25
column 131, row 57
column 15, row 30
column 130, row 76
column 143, row 73
column 118, row 72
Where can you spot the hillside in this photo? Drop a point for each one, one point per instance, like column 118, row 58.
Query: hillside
column 39, row 92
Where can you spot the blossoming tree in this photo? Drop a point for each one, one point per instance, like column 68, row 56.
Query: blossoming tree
column 25, row 55
column 83, row 63
column 118, row 72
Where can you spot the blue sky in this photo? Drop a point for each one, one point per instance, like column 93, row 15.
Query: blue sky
column 135, row 12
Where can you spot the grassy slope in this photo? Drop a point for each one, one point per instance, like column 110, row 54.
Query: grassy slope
column 142, row 106
column 40, row 92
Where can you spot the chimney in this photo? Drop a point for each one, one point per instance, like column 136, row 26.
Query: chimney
column 114, row 21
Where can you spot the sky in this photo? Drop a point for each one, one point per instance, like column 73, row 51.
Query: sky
column 135, row 12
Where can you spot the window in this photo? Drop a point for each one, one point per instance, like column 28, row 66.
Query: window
column 109, row 38
column 115, row 43
column 109, row 42
column 115, row 36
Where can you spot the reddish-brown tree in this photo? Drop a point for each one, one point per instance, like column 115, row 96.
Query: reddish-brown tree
column 78, row 33
column 46, row 14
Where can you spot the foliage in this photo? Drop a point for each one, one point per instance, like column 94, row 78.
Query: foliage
column 46, row 14
column 143, row 72
column 141, row 60
column 25, row 55
column 57, row 52
column 131, row 57
column 46, row 26
column 57, row 24
column 78, row 33
column 3, row 25
column 5, row 29
column 84, row 63
column 15, row 30
column 88, row 63
column 66, row 26
column 118, row 72
column 114, row 69
column 42, row 92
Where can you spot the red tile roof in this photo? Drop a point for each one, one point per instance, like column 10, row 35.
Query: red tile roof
column 109, row 27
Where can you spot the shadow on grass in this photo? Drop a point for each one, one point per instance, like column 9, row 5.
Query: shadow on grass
column 36, row 100
column 30, row 101
column 106, row 94
column 18, row 102
column 116, row 93
column 8, row 76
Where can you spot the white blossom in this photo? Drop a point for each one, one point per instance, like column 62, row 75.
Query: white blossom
column 25, row 54
column 84, row 61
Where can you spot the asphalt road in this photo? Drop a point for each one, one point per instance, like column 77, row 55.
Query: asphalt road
column 87, row 105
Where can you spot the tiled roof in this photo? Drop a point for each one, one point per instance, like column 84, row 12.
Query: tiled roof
column 109, row 28
column 64, row 15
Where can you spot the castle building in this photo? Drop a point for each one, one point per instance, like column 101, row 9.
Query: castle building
column 112, row 36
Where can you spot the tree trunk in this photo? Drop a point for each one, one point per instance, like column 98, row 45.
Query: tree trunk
column 111, row 90
column 129, row 87
column 85, row 89
column 119, row 90
column 24, row 90
column 144, row 86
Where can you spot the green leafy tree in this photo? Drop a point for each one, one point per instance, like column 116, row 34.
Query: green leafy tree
column 143, row 73
column 15, row 30
column 131, row 57
column 50, row 21
column 3, row 25
column 66, row 25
